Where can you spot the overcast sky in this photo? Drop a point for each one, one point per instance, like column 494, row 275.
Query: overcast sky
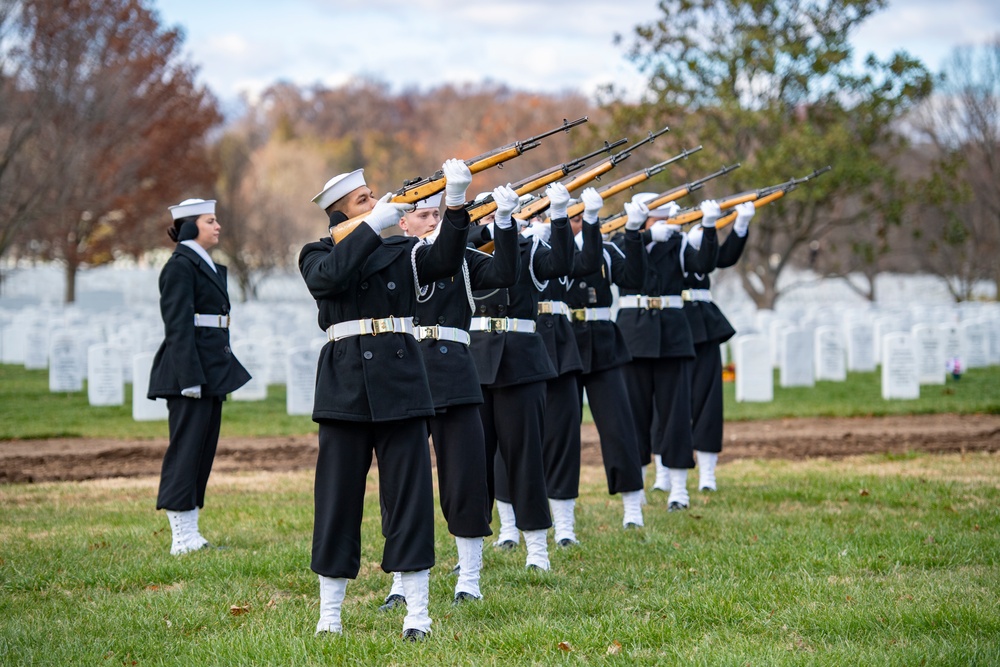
column 548, row 46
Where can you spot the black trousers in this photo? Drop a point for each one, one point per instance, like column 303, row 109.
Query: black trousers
column 706, row 397
column 561, row 444
column 405, row 492
column 194, row 436
column 460, row 450
column 612, row 414
column 512, row 424
column 659, row 391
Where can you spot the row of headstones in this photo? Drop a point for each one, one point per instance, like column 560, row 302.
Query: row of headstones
column 908, row 360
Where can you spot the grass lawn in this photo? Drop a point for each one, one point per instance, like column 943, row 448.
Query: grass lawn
column 879, row 560
column 29, row 410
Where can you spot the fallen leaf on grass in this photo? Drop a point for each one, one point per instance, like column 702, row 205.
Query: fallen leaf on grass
column 614, row 649
column 564, row 646
column 975, row 528
column 864, row 492
column 929, row 540
column 238, row 610
column 271, row 603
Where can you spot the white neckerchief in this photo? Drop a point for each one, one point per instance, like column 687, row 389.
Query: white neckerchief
column 191, row 243
column 578, row 239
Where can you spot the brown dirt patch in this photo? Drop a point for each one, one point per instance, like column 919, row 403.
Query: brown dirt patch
column 27, row 461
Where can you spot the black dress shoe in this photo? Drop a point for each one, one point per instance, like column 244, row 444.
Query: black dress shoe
column 707, row 489
column 414, row 635
column 392, row 602
column 506, row 545
column 676, row 506
column 462, row 597
column 567, row 542
column 631, row 525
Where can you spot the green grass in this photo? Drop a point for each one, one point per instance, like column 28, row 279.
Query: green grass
column 861, row 396
column 872, row 560
column 29, row 411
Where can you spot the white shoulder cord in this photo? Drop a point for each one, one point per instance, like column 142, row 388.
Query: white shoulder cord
column 423, row 293
column 684, row 245
column 531, row 267
column 607, row 260
column 468, row 285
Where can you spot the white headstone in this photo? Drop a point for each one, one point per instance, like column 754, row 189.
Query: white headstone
column 899, row 367
column 754, row 374
column 275, row 352
column 105, row 380
column 796, row 358
column 251, row 355
column 952, row 341
column 65, row 363
column 777, row 327
column 831, row 359
column 36, row 345
column 882, row 326
column 301, row 380
column 143, row 409
column 974, row 344
column 928, row 344
column 993, row 336
column 860, row 348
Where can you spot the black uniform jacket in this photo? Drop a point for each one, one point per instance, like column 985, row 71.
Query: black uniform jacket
column 704, row 317
column 556, row 330
column 190, row 356
column 375, row 378
column 450, row 366
column 601, row 343
column 509, row 359
column 657, row 334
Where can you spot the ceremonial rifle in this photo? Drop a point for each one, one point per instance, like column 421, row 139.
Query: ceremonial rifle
column 693, row 215
column 595, row 172
column 772, row 193
column 618, row 220
column 421, row 188
column 480, row 209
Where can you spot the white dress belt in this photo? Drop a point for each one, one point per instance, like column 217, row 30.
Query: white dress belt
column 438, row 332
column 370, row 326
column 651, row 302
column 591, row 314
column 697, row 295
column 553, row 308
column 216, row 321
column 501, row 324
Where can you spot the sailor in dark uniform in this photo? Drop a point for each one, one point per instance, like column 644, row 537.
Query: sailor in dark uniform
column 513, row 367
column 194, row 368
column 444, row 310
column 604, row 352
column 657, row 333
column 372, row 392
column 710, row 329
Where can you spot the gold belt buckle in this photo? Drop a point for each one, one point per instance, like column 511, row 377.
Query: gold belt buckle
column 687, row 295
column 429, row 332
column 578, row 314
column 498, row 324
column 383, row 325
column 545, row 308
column 654, row 302
column 228, row 320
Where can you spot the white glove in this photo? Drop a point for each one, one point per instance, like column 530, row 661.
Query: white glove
column 744, row 214
column 637, row 213
column 192, row 392
column 386, row 214
column 506, row 200
column 538, row 230
column 457, row 178
column 592, row 203
column 558, row 200
column 710, row 212
column 672, row 208
column 661, row 231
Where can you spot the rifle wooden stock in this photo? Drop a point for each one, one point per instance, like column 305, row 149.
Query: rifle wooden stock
column 617, row 222
column 760, row 201
column 415, row 191
column 694, row 215
column 577, row 182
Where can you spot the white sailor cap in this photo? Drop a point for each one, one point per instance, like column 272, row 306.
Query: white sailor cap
column 192, row 207
column 339, row 186
column 481, row 196
column 573, row 201
column 434, row 201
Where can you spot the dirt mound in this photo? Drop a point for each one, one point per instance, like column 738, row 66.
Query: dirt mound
column 79, row 459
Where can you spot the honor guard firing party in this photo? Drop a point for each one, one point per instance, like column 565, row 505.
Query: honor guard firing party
column 482, row 330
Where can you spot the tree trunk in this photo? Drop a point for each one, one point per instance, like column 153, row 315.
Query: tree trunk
column 762, row 298
column 72, row 265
